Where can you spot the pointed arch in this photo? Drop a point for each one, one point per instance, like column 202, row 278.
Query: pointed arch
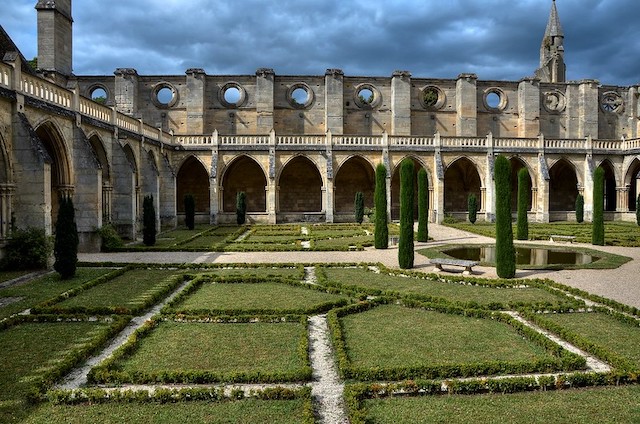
column 355, row 174
column 300, row 186
column 516, row 165
column 395, row 186
column 461, row 178
column 244, row 174
column 632, row 181
column 563, row 186
column 610, row 191
column 6, row 167
column 100, row 153
column 193, row 178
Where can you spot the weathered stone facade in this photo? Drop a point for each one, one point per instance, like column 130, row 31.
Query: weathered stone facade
column 300, row 146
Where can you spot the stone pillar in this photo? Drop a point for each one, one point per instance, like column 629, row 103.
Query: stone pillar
column 215, row 192
column 488, row 202
column 529, row 107
column 196, row 85
column 542, row 213
column 438, row 189
column 401, row 103
column 588, row 109
column 264, row 99
column 622, row 200
column 633, row 113
column 466, row 105
column 55, row 37
column 328, row 196
column 587, row 186
column 126, row 91
column 6, row 192
column 334, row 101
column 107, row 194
column 272, row 192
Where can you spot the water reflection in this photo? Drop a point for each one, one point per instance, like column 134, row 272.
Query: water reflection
column 524, row 255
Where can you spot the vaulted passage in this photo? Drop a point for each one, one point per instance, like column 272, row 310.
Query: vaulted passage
column 610, row 193
column 244, row 174
column 460, row 180
column 300, row 187
column 633, row 181
column 563, row 187
column 193, row 179
column 516, row 166
column 355, row 175
column 395, row 190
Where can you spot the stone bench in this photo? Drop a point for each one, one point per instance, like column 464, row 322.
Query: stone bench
column 557, row 237
column 467, row 265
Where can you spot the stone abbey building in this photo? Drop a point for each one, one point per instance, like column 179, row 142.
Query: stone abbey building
column 300, row 146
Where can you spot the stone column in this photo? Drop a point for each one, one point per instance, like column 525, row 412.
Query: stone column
column 401, row 103
column 6, row 192
column 588, row 110
column 107, row 193
column 542, row 213
column 334, row 101
column 215, row 192
column 622, row 201
column 488, row 202
column 466, row 105
column 264, row 99
column 126, row 91
column 196, row 86
column 272, row 191
column 529, row 107
column 587, row 186
column 328, row 195
column 438, row 189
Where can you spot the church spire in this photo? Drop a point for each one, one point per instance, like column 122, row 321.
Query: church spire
column 552, row 66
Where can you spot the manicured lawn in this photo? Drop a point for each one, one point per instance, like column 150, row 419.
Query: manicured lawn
column 223, row 349
column 262, row 272
column 173, row 237
column 600, row 405
column 615, row 233
column 45, row 288
column 604, row 330
column 342, row 243
column 394, row 336
column 10, row 275
column 131, row 291
column 248, row 411
column 362, row 278
column 255, row 296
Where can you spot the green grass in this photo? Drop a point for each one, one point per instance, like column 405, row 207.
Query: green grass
column 364, row 279
column 261, row 272
column 604, row 330
column 342, row 243
column 255, row 296
column 404, row 337
column 45, row 288
column 615, row 233
column 179, row 235
column 600, row 405
column 131, row 291
column 10, row 275
column 220, row 348
column 248, row 411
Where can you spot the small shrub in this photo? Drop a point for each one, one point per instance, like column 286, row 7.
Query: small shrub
column 505, row 251
column 189, row 211
column 26, row 249
column 405, row 244
column 65, row 249
column 423, row 206
column 523, row 204
column 449, row 219
column 148, row 221
column 241, row 207
column 472, row 208
column 358, row 206
column 580, row 208
column 110, row 238
column 597, row 237
column 381, row 240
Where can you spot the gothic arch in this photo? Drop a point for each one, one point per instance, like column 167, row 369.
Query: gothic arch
column 6, row 167
column 300, row 186
column 563, row 186
column 395, row 186
column 355, row 174
column 244, row 173
column 461, row 178
column 516, row 165
column 193, row 178
column 610, row 192
column 101, row 156
column 632, row 181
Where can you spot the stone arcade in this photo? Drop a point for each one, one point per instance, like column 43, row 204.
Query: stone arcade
column 299, row 146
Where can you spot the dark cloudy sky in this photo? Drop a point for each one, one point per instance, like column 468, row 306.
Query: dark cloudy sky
column 496, row 39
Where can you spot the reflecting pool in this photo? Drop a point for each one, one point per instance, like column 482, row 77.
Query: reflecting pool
column 524, row 255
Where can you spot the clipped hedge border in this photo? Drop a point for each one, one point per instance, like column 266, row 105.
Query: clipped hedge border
column 49, row 306
column 583, row 343
column 564, row 360
column 107, row 374
column 76, row 357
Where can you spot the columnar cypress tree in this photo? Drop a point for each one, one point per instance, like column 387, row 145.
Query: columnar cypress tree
column 241, row 207
column 381, row 240
column 580, row 208
column 597, row 236
column 423, row 205
column 523, row 204
column 638, row 210
column 405, row 244
column 505, row 252
column 65, row 249
column 472, row 208
column 358, row 205
column 189, row 211
column 148, row 221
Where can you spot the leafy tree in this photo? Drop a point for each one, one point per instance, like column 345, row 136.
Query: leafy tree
column 523, row 204
column 358, row 205
column 580, row 208
column 148, row 221
column 472, row 208
column 405, row 244
column 505, row 252
column 381, row 240
column 33, row 63
column 189, row 211
column 65, row 249
column 241, row 207
column 597, row 236
column 423, row 205
column 26, row 249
